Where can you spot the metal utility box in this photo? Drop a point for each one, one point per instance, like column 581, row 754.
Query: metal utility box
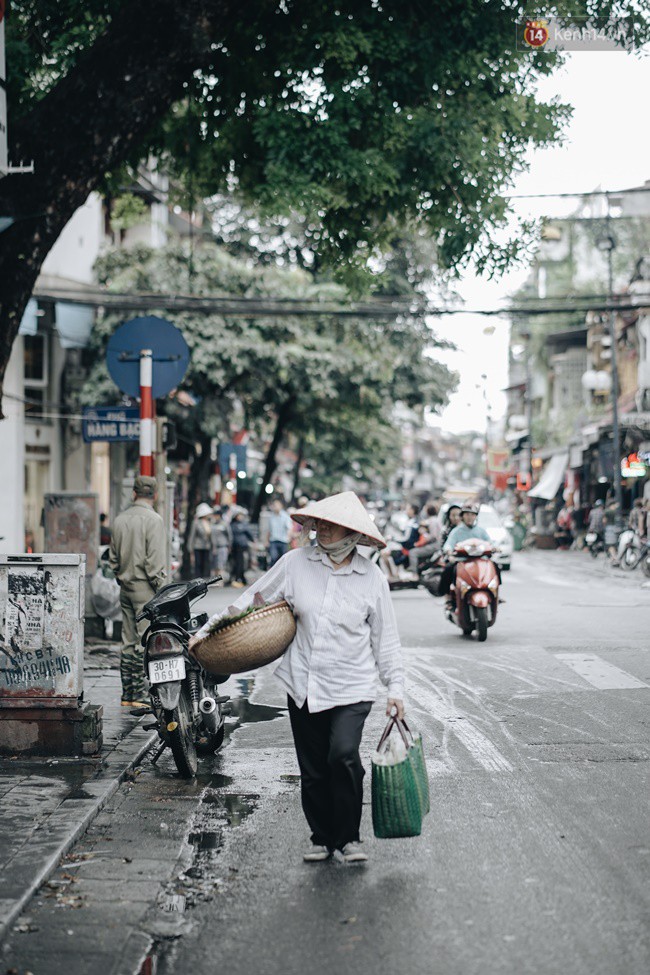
column 42, row 601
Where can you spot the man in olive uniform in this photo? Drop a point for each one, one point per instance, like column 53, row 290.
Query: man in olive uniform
column 137, row 557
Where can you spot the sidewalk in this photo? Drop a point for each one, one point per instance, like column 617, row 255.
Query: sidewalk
column 46, row 804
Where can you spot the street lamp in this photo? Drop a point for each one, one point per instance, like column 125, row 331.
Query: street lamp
column 606, row 243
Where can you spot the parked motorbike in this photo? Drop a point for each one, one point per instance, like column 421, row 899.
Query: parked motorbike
column 476, row 590
column 428, row 575
column 595, row 542
column 632, row 549
column 185, row 702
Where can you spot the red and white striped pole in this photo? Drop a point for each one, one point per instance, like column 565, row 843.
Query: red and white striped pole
column 146, row 413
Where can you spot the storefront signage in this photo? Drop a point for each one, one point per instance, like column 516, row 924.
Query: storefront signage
column 633, row 466
column 110, row 423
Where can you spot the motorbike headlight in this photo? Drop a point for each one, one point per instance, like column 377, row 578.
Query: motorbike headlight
column 463, row 586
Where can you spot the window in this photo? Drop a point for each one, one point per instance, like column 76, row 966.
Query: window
column 34, row 401
column 35, row 359
column 36, row 370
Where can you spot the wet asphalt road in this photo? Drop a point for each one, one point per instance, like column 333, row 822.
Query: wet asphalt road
column 535, row 857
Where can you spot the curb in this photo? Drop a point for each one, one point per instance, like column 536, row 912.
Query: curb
column 62, row 833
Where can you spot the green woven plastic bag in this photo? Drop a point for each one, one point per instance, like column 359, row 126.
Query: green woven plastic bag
column 400, row 792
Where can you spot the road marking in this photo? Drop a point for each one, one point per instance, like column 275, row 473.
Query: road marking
column 458, row 723
column 599, row 673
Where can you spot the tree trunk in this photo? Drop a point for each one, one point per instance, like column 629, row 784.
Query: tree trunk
column 95, row 118
column 296, row 472
column 285, row 415
column 197, row 491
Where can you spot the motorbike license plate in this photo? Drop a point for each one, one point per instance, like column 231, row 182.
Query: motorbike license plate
column 170, row 668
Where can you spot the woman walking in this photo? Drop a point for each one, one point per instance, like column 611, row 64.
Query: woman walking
column 346, row 636
column 242, row 536
column 200, row 541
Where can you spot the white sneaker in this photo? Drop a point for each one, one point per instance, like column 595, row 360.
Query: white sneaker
column 316, row 853
column 352, row 853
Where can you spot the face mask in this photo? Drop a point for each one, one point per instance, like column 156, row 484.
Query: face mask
column 339, row 551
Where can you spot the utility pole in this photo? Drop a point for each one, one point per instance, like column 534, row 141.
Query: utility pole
column 607, row 244
column 529, row 406
column 488, row 488
column 146, row 414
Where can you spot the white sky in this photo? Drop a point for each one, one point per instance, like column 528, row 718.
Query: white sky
column 607, row 146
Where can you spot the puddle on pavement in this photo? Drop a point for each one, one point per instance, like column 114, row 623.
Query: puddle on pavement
column 224, row 809
column 242, row 713
column 79, row 794
column 218, row 811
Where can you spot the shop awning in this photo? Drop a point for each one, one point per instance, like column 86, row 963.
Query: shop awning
column 552, row 477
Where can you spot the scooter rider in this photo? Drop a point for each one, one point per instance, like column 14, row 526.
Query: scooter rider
column 452, row 518
column 467, row 528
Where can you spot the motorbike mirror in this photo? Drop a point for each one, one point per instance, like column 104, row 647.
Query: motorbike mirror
column 212, row 582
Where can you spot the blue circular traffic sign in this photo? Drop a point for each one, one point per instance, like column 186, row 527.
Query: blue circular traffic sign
column 171, row 355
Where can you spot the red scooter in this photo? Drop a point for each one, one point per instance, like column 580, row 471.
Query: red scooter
column 476, row 590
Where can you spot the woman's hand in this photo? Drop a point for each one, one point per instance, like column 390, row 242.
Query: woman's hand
column 398, row 704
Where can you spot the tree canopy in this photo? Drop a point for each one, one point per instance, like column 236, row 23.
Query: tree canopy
column 359, row 115
column 332, row 383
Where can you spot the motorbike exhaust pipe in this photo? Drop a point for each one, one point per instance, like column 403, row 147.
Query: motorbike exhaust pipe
column 210, row 714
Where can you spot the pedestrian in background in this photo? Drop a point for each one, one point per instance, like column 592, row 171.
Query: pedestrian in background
column 221, row 538
column 242, row 536
column 279, row 528
column 611, row 532
column 637, row 518
column 105, row 533
column 430, row 539
column 296, row 530
column 200, row 541
column 138, row 558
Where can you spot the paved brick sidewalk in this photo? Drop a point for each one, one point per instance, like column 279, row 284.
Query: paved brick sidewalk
column 46, row 804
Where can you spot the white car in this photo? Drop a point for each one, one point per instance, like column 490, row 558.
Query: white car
column 499, row 535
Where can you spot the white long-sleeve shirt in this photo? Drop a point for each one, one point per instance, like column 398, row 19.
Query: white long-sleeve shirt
column 346, row 632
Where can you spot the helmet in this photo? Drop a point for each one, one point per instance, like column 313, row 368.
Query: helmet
column 469, row 508
column 599, row 503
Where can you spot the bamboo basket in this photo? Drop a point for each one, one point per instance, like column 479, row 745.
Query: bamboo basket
column 248, row 643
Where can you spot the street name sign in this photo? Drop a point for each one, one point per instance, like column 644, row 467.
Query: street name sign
column 112, row 424
column 170, row 355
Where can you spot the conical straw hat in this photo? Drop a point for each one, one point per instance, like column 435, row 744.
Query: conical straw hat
column 343, row 509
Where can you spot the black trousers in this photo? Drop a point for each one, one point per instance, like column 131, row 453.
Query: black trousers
column 327, row 746
column 239, row 563
column 202, row 563
column 448, row 577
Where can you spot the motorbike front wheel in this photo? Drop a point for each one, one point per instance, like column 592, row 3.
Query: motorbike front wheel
column 594, row 550
column 481, row 623
column 181, row 737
